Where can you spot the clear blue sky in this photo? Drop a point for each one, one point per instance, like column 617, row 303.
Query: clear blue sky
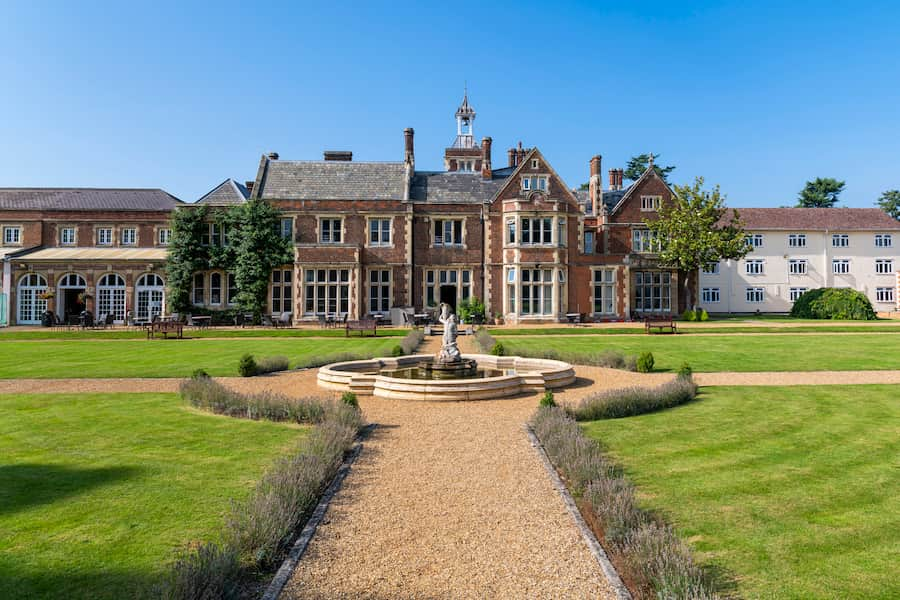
column 756, row 97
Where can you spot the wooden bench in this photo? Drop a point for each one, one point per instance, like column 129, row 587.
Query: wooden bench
column 165, row 328
column 362, row 326
column 661, row 323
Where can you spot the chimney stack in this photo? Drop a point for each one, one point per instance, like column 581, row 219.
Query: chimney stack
column 273, row 156
column 486, row 158
column 511, row 156
column 595, row 183
column 520, row 154
column 338, row 155
column 620, row 175
column 249, row 186
column 409, row 155
column 613, row 177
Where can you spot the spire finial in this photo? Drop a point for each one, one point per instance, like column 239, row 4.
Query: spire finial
column 651, row 159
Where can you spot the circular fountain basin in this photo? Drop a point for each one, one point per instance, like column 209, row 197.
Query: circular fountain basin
column 497, row 377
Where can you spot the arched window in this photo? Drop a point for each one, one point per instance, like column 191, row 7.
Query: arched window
column 69, row 300
column 30, row 304
column 149, row 296
column 111, row 296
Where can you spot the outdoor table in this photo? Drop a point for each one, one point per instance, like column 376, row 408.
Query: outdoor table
column 420, row 319
column 201, row 322
column 573, row 318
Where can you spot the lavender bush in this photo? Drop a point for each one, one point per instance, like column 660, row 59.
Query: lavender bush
column 627, row 402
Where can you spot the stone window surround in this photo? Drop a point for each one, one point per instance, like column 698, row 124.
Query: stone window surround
column 557, row 217
column 430, row 219
column 331, row 217
column 368, row 285
column 473, row 269
column 6, row 226
column 650, row 202
column 156, row 230
column 137, row 236
column 112, row 235
column 559, row 283
column 300, row 284
column 59, row 234
column 390, row 242
column 594, row 285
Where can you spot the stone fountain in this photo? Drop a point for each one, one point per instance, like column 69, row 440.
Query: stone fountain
column 449, row 363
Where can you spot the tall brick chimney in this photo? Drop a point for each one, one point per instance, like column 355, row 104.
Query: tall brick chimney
column 409, row 155
column 486, row 158
column 520, row 154
column 620, row 175
column 273, row 156
column 613, row 177
column 595, row 183
column 511, row 156
column 249, row 185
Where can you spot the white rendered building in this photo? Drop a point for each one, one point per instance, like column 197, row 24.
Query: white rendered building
column 799, row 249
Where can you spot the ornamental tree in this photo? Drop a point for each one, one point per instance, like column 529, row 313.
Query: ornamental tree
column 638, row 164
column 889, row 202
column 821, row 193
column 259, row 250
column 694, row 229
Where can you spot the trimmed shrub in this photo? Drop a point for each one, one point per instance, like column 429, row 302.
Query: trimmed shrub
column 685, row 371
column 646, row 550
column 209, row 570
column 411, row 341
column 349, row 398
column 703, row 316
column 272, row 364
column 210, row 395
column 689, row 315
column 627, row 402
column 397, row 350
column 499, row 349
column 484, row 340
column 645, row 362
column 547, row 399
column 833, row 303
column 247, row 366
column 199, row 374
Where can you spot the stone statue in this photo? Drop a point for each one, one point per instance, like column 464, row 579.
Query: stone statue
column 449, row 351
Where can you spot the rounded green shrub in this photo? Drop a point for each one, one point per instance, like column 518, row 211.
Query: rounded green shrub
column 688, row 315
column 499, row 349
column 833, row 303
column 645, row 362
column 349, row 398
column 685, row 371
column 247, row 366
column 397, row 350
column 547, row 400
column 199, row 374
column 703, row 315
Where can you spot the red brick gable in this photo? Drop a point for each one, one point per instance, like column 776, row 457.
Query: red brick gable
column 628, row 210
column 557, row 190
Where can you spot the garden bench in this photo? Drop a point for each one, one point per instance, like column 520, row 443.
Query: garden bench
column 661, row 323
column 165, row 328
column 362, row 326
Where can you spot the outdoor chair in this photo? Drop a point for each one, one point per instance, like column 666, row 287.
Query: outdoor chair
column 283, row 320
column 322, row 322
column 110, row 320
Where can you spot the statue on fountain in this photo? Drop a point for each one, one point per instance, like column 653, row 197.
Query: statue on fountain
column 449, row 351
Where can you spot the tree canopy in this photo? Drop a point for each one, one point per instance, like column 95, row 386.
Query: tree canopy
column 694, row 230
column 821, row 193
column 261, row 249
column 889, row 202
column 638, row 164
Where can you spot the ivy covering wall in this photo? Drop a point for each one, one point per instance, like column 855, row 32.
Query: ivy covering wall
column 250, row 247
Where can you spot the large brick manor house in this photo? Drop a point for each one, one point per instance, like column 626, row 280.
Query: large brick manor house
column 367, row 236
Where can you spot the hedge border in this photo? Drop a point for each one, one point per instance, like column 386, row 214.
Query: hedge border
column 590, row 540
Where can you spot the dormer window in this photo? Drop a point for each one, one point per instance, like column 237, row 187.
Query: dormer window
column 534, row 182
column 466, row 166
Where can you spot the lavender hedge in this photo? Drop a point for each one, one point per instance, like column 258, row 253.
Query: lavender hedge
column 627, row 402
column 647, row 551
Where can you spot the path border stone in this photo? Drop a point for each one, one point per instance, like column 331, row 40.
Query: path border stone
column 289, row 565
column 612, row 576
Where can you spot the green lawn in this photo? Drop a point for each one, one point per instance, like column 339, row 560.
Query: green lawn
column 162, row 358
column 794, row 491
column 787, row 352
column 98, row 491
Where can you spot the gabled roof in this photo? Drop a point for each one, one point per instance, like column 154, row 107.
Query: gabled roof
column 530, row 155
column 99, row 199
column 830, row 219
column 227, row 193
column 330, row 180
column 647, row 174
column 439, row 186
column 610, row 198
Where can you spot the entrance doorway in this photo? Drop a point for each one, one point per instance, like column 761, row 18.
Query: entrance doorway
column 448, row 295
column 71, row 286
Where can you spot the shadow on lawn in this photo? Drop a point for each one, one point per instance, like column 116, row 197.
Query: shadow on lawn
column 74, row 584
column 25, row 485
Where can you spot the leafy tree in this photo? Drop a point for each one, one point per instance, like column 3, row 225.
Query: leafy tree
column 821, row 193
column 692, row 232
column 584, row 186
column 186, row 255
column 638, row 164
column 260, row 249
column 890, row 203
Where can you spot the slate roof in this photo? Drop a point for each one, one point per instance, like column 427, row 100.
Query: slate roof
column 227, row 193
column 99, row 199
column 831, row 219
column 442, row 187
column 332, row 180
column 610, row 197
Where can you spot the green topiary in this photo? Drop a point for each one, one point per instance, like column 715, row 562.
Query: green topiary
column 397, row 350
column 499, row 349
column 349, row 398
column 833, row 303
column 685, row 371
column 247, row 366
column 704, row 316
column 199, row 374
column 688, row 315
column 645, row 362
column 547, row 400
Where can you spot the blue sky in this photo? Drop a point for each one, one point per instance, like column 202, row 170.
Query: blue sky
column 756, row 97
